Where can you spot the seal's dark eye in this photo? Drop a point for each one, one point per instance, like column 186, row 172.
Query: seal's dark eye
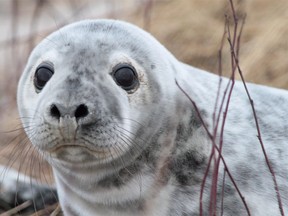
column 125, row 76
column 42, row 75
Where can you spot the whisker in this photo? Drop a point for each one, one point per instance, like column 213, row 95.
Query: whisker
column 125, row 136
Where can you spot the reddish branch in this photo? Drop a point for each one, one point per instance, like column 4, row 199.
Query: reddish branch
column 215, row 148
column 223, row 191
column 229, row 89
column 259, row 136
column 236, row 60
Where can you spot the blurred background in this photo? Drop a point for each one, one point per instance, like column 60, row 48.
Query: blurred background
column 190, row 29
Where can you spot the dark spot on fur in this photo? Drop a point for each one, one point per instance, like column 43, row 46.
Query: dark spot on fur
column 195, row 121
column 82, row 52
column 182, row 178
column 151, row 153
column 102, row 44
column 83, row 72
column 185, row 130
column 153, row 66
column 185, row 166
column 133, row 48
column 121, row 178
column 182, row 133
column 229, row 190
column 73, row 82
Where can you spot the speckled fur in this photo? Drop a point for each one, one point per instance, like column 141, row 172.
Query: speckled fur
column 154, row 146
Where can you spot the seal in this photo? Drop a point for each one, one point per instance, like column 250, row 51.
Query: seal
column 99, row 100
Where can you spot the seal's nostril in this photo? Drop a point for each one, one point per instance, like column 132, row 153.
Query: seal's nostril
column 54, row 111
column 58, row 110
column 81, row 111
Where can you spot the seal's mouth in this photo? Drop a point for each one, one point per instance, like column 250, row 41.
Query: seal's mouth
column 70, row 146
column 78, row 153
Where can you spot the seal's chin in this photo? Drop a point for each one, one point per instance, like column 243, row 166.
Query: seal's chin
column 78, row 153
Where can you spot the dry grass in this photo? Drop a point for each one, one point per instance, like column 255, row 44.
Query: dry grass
column 192, row 31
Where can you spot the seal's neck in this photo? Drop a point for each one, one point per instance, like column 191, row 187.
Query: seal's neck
column 127, row 191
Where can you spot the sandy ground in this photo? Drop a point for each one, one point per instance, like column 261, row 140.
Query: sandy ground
column 190, row 29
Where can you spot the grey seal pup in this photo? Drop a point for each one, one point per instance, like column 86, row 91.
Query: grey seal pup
column 99, row 100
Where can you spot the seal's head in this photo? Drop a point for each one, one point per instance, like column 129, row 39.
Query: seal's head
column 91, row 92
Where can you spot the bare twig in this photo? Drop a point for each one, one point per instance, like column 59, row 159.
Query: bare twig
column 52, row 210
column 38, row 9
column 220, row 80
column 56, row 211
column 147, row 14
column 17, row 209
column 223, row 191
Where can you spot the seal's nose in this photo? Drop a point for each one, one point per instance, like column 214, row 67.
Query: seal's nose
column 58, row 110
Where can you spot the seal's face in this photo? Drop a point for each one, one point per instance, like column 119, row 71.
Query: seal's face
column 88, row 97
